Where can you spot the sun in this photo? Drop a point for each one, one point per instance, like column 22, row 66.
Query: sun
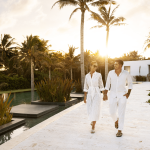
column 95, row 39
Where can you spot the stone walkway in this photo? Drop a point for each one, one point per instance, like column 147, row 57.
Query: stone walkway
column 70, row 129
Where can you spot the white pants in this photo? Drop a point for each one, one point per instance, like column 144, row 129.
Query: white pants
column 120, row 104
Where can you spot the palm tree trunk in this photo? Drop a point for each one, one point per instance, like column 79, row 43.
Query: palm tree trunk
column 71, row 73
column 32, row 79
column 82, row 48
column 49, row 73
column 65, row 75
column 106, row 57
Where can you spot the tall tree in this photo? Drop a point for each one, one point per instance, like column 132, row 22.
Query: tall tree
column 82, row 5
column 71, row 59
column 47, row 60
column 106, row 19
column 7, row 50
column 87, row 59
column 30, row 48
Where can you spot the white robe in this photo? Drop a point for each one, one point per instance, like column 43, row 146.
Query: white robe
column 94, row 101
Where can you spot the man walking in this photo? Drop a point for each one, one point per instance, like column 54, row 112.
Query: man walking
column 116, row 82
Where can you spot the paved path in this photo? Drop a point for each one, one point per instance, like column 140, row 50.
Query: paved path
column 70, row 129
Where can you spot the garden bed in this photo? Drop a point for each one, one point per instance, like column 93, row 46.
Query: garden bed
column 15, row 122
column 68, row 103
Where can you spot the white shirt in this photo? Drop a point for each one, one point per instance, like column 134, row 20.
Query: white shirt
column 118, row 83
column 93, row 85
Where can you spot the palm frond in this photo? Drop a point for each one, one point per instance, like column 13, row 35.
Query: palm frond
column 147, row 41
column 9, row 43
column 100, row 3
column 112, row 13
column 98, row 18
column 89, row 1
column 104, row 13
column 63, row 3
column 119, row 24
column 98, row 26
column 103, row 2
column 87, row 7
column 117, row 20
column 146, row 47
column 74, row 12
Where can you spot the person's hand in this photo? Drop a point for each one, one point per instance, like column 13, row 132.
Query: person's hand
column 105, row 97
column 127, row 95
column 84, row 99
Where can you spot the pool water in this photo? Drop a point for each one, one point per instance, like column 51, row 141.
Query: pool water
column 20, row 97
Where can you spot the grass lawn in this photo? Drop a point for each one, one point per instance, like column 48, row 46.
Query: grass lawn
column 16, row 91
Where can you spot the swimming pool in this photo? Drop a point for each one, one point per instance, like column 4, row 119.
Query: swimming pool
column 20, row 97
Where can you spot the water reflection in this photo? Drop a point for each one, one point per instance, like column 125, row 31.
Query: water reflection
column 20, row 98
column 4, row 95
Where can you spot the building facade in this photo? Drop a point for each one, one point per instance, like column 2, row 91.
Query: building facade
column 137, row 68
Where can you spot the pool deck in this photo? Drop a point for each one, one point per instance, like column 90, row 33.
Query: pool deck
column 70, row 129
column 32, row 111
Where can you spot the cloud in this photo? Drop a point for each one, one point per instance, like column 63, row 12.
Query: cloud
column 22, row 7
column 13, row 9
column 41, row 16
column 68, row 26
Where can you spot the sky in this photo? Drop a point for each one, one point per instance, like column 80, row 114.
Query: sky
column 20, row 18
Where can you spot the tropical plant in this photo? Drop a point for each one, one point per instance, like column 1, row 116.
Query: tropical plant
column 47, row 60
column 106, row 19
column 7, row 50
column 147, row 43
column 30, row 49
column 78, row 86
column 5, row 116
column 82, row 5
column 87, row 59
column 71, row 60
column 55, row 90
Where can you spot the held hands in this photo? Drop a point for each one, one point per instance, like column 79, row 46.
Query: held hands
column 127, row 95
column 105, row 97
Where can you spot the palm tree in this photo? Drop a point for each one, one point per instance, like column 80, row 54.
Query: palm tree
column 6, row 49
column 71, row 60
column 30, row 48
column 47, row 60
column 87, row 59
column 82, row 5
column 106, row 19
column 147, row 43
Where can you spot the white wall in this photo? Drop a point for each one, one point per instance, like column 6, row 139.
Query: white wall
column 134, row 67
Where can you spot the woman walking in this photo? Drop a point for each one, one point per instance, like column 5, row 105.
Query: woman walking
column 92, row 96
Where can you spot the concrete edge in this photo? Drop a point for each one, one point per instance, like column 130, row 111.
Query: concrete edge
column 27, row 115
column 18, row 139
column 72, row 101
column 11, row 125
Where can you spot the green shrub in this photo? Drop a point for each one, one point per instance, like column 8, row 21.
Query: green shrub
column 5, row 109
column 148, row 94
column 78, row 86
column 55, row 90
column 13, row 83
column 148, row 101
column 140, row 78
